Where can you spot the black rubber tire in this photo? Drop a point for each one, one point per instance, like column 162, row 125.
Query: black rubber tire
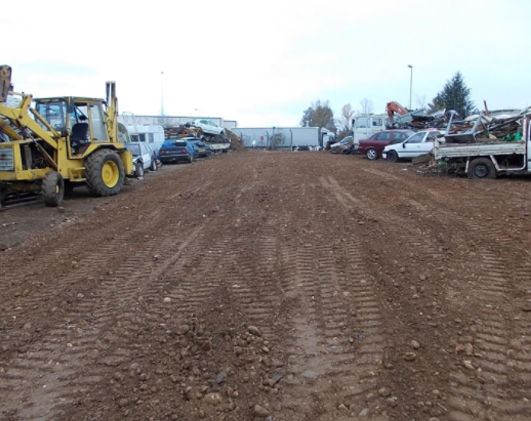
column 481, row 169
column 153, row 166
column 93, row 172
column 53, row 189
column 392, row 156
column 371, row 154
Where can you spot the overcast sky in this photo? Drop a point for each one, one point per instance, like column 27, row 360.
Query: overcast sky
column 263, row 63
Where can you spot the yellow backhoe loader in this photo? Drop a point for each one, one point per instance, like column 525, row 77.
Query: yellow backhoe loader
column 59, row 143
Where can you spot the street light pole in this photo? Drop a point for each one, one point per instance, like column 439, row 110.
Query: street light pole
column 410, row 86
column 162, row 94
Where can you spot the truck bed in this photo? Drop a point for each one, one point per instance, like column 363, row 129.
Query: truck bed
column 459, row 150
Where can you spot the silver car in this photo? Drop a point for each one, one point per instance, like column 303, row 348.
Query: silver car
column 144, row 158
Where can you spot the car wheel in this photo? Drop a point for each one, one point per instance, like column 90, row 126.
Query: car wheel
column 481, row 169
column 153, row 166
column 392, row 156
column 191, row 159
column 371, row 154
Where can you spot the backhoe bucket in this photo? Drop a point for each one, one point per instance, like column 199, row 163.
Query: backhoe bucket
column 5, row 82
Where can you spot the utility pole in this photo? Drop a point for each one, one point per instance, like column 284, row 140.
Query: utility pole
column 410, row 86
column 162, row 94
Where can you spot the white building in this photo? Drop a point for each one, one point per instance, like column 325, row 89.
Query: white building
column 130, row 119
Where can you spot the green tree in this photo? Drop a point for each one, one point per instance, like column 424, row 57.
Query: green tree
column 454, row 96
column 319, row 115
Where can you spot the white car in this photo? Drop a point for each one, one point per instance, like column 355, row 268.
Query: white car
column 418, row 144
column 144, row 158
column 208, row 127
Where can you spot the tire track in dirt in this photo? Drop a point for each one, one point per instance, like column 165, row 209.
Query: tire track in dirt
column 334, row 342
column 478, row 393
column 66, row 351
column 494, row 336
column 59, row 380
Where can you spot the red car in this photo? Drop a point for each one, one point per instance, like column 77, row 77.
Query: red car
column 374, row 145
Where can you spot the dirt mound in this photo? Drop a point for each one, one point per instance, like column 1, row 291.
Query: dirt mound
column 236, row 143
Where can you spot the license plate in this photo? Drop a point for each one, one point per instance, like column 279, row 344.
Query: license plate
column 201, row 150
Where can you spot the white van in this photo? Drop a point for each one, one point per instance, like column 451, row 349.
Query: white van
column 149, row 133
column 364, row 127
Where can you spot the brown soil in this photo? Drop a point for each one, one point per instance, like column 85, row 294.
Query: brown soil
column 317, row 286
column 236, row 143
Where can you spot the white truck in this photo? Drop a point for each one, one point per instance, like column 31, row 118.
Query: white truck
column 365, row 126
column 300, row 138
column 483, row 158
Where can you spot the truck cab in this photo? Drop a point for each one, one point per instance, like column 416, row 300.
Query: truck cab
column 365, row 126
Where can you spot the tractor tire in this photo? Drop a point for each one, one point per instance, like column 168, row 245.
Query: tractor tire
column 481, row 169
column 52, row 189
column 104, row 172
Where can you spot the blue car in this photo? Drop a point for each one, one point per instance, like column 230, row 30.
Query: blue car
column 201, row 149
column 177, row 150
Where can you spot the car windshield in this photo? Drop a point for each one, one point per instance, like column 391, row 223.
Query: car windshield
column 135, row 149
column 180, row 144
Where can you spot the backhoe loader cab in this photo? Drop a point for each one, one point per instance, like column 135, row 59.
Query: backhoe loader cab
column 60, row 143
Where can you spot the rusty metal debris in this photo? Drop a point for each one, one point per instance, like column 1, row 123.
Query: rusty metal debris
column 484, row 129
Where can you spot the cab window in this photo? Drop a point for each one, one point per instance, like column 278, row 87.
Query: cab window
column 361, row 123
column 99, row 132
column 54, row 112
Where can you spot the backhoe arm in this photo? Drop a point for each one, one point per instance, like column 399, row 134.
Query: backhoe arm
column 394, row 107
column 20, row 118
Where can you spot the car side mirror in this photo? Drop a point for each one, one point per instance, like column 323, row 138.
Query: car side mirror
column 404, row 144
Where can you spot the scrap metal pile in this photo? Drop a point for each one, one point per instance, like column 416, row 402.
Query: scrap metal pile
column 401, row 118
column 184, row 130
column 485, row 128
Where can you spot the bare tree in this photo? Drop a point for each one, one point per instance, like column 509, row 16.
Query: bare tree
column 319, row 115
column 366, row 106
column 421, row 101
column 346, row 116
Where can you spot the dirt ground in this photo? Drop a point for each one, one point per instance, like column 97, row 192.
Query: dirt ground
column 281, row 286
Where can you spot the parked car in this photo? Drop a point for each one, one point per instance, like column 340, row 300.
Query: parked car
column 200, row 147
column 208, row 149
column 176, row 150
column 373, row 147
column 343, row 145
column 419, row 144
column 208, row 127
column 144, row 158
